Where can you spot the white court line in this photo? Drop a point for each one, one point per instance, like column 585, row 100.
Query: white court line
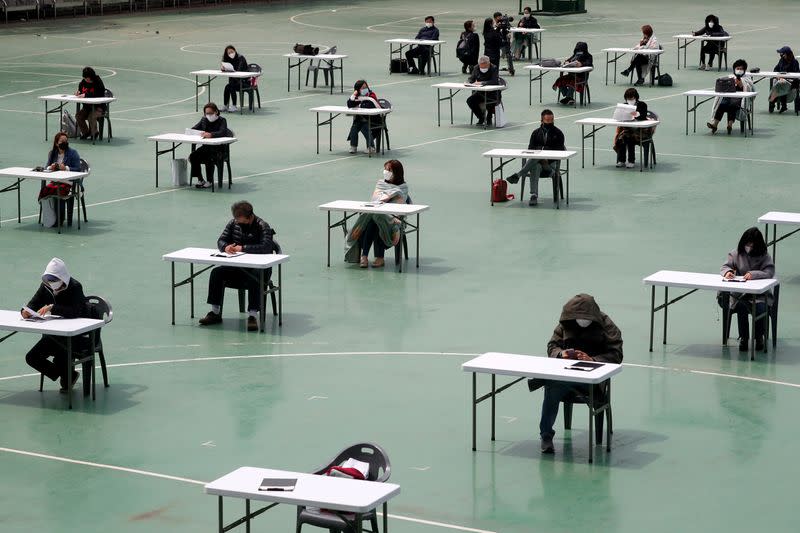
column 404, row 20
column 198, row 482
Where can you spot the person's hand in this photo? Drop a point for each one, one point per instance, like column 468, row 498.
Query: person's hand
column 227, row 249
column 748, row 276
column 80, row 95
column 355, row 95
column 44, row 310
column 205, row 135
column 236, row 248
column 581, row 356
column 729, row 274
column 62, row 166
column 54, row 166
column 25, row 314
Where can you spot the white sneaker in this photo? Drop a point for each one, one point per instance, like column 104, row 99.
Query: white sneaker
column 630, row 165
column 702, row 66
column 353, row 149
column 223, row 109
column 371, row 150
column 620, row 164
column 232, row 109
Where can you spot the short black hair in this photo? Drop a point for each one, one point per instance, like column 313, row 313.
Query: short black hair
column 242, row 208
column 88, row 72
column 740, row 63
column 546, row 112
column 631, row 93
column 497, row 14
column 429, row 17
column 752, row 235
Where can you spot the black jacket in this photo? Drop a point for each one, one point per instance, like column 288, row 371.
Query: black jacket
column 715, row 31
column 218, row 128
column 550, row 138
column 490, row 77
column 239, row 62
column 581, row 53
column 255, row 238
column 473, row 48
column 93, row 90
column 492, row 41
column 529, row 23
column 641, row 108
column 69, row 303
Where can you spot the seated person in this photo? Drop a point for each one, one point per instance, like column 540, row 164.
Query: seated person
column 521, row 40
column 569, row 83
column 545, row 137
column 751, row 260
column 62, row 295
column 239, row 64
column 60, row 157
column 382, row 231
column 245, row 233
column 213, row 126
column 91, row 86
column 627, row 139
column 638, row 61
column 484, row 74
column 782, row 87
column 732, row 106
column 429, row 32
column 363, row 97
column 712, row 29
column 583, row 333
column 468, row 47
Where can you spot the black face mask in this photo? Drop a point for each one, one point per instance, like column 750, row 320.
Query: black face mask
column 547, row 126
column 63, row 145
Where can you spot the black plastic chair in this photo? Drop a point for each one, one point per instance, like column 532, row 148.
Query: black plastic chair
column 648, row 144
column 379, row 471
column 270, row 290
column 317, row 65
column 653, row 68
column 105, row 118
column 223, row 160
column 554, row 176
column 601, row 397
column 772, row 317
column 252, row 90
column 77, row 191
column 382, row 128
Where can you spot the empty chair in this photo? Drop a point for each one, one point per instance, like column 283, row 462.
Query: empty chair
column 317, row 65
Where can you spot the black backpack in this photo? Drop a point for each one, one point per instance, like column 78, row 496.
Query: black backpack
column 725, row 85
column 461, row 48
column 305, row 49
column 664, row 80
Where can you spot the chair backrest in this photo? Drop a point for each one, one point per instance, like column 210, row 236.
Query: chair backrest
column 379, row 466
column 331, row 50
column 384, row 103
column 254, row 67
column 99, row 309
column 277, row 249
column 85, row 166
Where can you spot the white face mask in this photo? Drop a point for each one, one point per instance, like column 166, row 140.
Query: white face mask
column 631, row 102
column 582, row 322
column 54, row 284
column 429, row 24
column 527, row 15
column 748, row 249
column 212, row 118
column 710, row 24
column 231, row 54
column 387, row 174
column 738, row 72
column 364, row 91
column 484, row 69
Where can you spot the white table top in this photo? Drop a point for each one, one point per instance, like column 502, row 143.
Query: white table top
column 703, row 37
column 59, row 327
column 479, row 88
column 573, row 70
column 527, row 30
column 195, row 139
column 338, row 494
column 227, row 73
column 327, row 57
column 532, row 366
column 770, row 74
column 27, row 173
column 202, row 256
column 390, row 208
column 530, row 154
column 74, row 98
column 351, row 110
column 641, row 51
column 780, row 217
column 702, row 280
column 738, row 94
column 620, row 123
column 423, row 42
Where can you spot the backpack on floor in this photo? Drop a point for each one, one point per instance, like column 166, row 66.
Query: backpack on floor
column 665, row 80
column 398, row 66
column 68, row 124
column 500, row 191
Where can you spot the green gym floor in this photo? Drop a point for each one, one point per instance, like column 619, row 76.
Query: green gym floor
column 704, row 438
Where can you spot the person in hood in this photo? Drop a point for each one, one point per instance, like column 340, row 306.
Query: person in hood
column 249, row 234
column 61, row 295
column 239, row 64
column 779, row 93
column 545, row 137
column 567, row 84
column 364, row 97
column 429, row 32
column 732, row 106
column 212, row 126
column 583, row 333
column 751, row 260
column 712, row 48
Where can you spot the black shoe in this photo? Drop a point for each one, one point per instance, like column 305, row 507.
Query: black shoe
column 771, row 107
column 85, row 137
column 783, row 109
column 533, row 201
column 210, row 319
column 729, row 128
column 463, row 69
column 252, row 323
column 547, row 445
column 564, row 100
column 626, row 72
column 511, row 72
column 535, row 384
column 513, row 178
column 63, row 382
column 570, row 101
column 744, row 345
column 712, row 127
column 639, row 82
column 413, row 71
column 759, row 344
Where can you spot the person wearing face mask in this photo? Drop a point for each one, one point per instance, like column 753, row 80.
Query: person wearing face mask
column 239, row 64
column 91, row 86
column 61, row 295
column 751, row 260
column 244, row 233
column 212, row 125
column 545, row 137
column 468, row 47
column 60, row 157
column 363, row 97
column 638, row 61
column 428, row 32
column 567, row 84
column 783, row 88
column 627, row 139
column 492, row 41
column 374, row 229
column 583, row 333
column 733, row 106
column 484, row 74
column 711, row 28
column 522, row 40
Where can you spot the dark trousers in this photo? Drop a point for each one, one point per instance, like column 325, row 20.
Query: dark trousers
column 494, row 57
column 39, row 356
column 709, row 48
column 371, row 235
column 638, row 62
column 554, row 392
column 743, row 310
column 421, row 52
column 727, row 107
column 232, row 89
column 205, row 155
column 87, row 117
column 626, row 144
column 235, row 278
column 475, row 103
column 361, row 124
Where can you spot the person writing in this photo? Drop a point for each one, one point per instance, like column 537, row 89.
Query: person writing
column 750, row 260
column 61, row 295
column 484, row 74
column 545, row 137
column 626, row 139
column 732, row 106
column 428, row 32
column 363, row 97
column 783, row 87
column 711, row 28
column 583, row 333
column 91, row 86
column 211, row 125
column 239, row 64
column 245, row 233
column 638, row 61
